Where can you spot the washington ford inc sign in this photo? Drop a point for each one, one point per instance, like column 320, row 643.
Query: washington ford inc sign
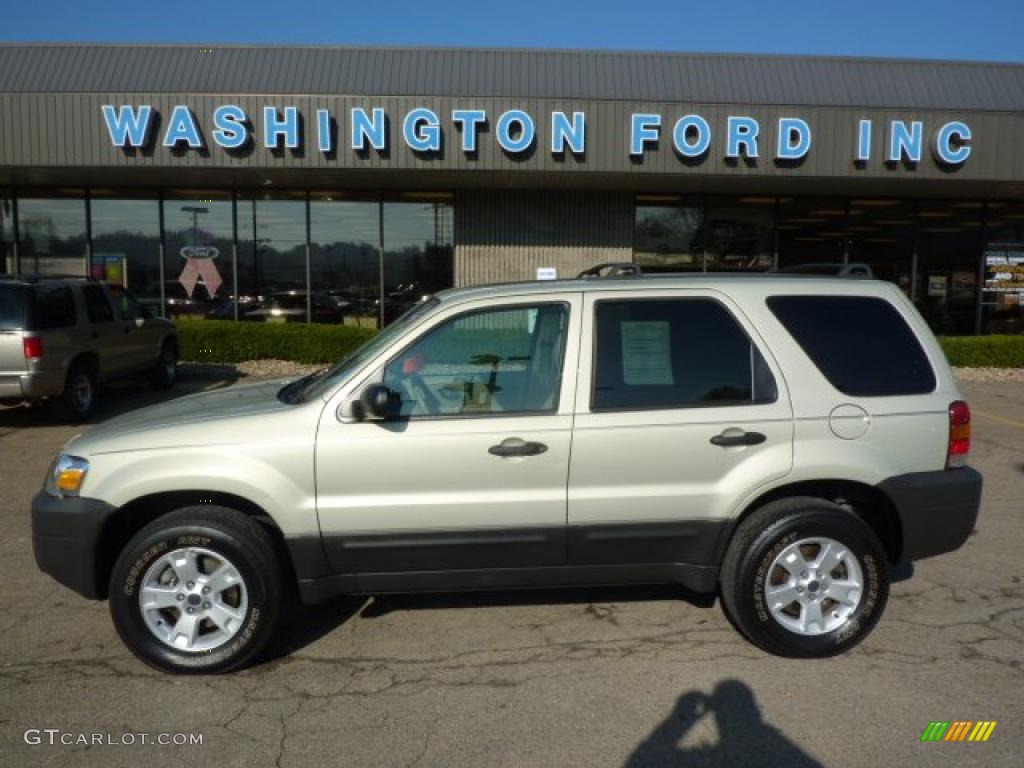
column 515, row 130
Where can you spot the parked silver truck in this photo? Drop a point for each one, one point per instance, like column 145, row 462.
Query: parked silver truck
column 60, row 338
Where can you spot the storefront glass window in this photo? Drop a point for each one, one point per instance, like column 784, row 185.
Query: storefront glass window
column 418, row 252
column 345, row 259
column 738, row 233
column 668, row 234
column 1003, row 297
column 53, row 234
column 811, row 230
column 950, row 244
column 272, row 258
column 126, row 246
column 198, row 271
column 881, row 235
column 7, row 265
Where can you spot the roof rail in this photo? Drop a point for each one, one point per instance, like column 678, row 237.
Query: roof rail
column 613, row 269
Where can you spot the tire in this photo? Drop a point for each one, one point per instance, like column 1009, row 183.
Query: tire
column 798, row 531
column 78, row 400
column 165, row 372
column 170, row 639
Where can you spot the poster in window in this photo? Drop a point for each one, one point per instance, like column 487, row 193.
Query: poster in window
column 646, row 353
column 1004, row 268
column 937, row 286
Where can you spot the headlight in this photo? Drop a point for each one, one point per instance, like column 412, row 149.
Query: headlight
column 66, row 475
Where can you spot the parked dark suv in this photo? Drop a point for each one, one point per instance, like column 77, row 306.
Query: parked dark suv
column 61, row 337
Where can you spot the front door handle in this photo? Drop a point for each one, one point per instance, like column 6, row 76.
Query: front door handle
column 514, row 446
column 734, row 437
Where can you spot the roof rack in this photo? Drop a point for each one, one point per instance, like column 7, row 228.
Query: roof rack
column 613, row 269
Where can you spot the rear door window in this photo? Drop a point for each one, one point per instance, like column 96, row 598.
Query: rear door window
column 675, row 353
column 97, row 304
column 127, row 304
column 13, row 305
column 861, row 344
column 55, row 307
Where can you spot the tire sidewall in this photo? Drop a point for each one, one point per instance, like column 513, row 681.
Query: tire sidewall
column 126, row 580
column 69, row 406
column 849, row 531
column 162, row 377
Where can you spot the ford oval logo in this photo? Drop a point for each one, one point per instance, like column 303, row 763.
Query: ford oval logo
column 199, row 252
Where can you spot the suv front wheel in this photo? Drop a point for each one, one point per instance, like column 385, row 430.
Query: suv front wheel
column 197, row 591
column 804, row 578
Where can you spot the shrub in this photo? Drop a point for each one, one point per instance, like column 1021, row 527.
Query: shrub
column 984, row 351
column 224, row 341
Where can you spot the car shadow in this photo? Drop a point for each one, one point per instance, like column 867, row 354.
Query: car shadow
column 744, row 738
column 304, row 625
column 121, row 397
column 381, row 605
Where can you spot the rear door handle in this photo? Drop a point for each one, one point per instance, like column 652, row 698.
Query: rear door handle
column 735, row 437
column 514, row 446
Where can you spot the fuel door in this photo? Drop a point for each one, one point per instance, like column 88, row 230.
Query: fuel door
column 848, row 421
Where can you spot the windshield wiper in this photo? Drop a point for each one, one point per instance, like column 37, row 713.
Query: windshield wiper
column 292, row 392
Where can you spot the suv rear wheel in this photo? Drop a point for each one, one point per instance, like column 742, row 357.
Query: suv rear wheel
column 164, row 373
column 197, row 591
column 78, row 400
column 804, row 578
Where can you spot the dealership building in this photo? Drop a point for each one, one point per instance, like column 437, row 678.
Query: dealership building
column 343, row 183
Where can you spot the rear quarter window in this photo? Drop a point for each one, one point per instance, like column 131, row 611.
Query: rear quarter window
column 13, row 306
column 861, row 344
column 55, row 307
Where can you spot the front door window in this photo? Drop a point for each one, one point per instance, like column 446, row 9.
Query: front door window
column 500, row 361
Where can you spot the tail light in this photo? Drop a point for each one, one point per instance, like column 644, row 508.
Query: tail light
column 33, row 348
column 959, row 435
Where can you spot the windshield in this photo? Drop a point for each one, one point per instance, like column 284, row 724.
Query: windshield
column 320, row 385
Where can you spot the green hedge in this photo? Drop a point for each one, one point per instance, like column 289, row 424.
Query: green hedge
column 224, row 341
column 984, row 351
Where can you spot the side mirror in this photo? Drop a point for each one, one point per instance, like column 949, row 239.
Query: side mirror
column 379, row 402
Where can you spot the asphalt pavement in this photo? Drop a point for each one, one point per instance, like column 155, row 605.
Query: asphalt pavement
column 584, row 677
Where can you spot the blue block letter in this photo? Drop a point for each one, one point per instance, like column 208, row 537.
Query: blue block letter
column 468, row 120
column 182, row 127
column 644, row 129
column 125, row 127
column 504, row 131
column 742, row 133
column 422, row 130
column 686, row 124
column 951, row 143
column 363, row 128
column 905, row 142
column 564, row 132
column 863, row 141
column 274, row 127
column 794, row 138
column 324, row 140
column 229, row 127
